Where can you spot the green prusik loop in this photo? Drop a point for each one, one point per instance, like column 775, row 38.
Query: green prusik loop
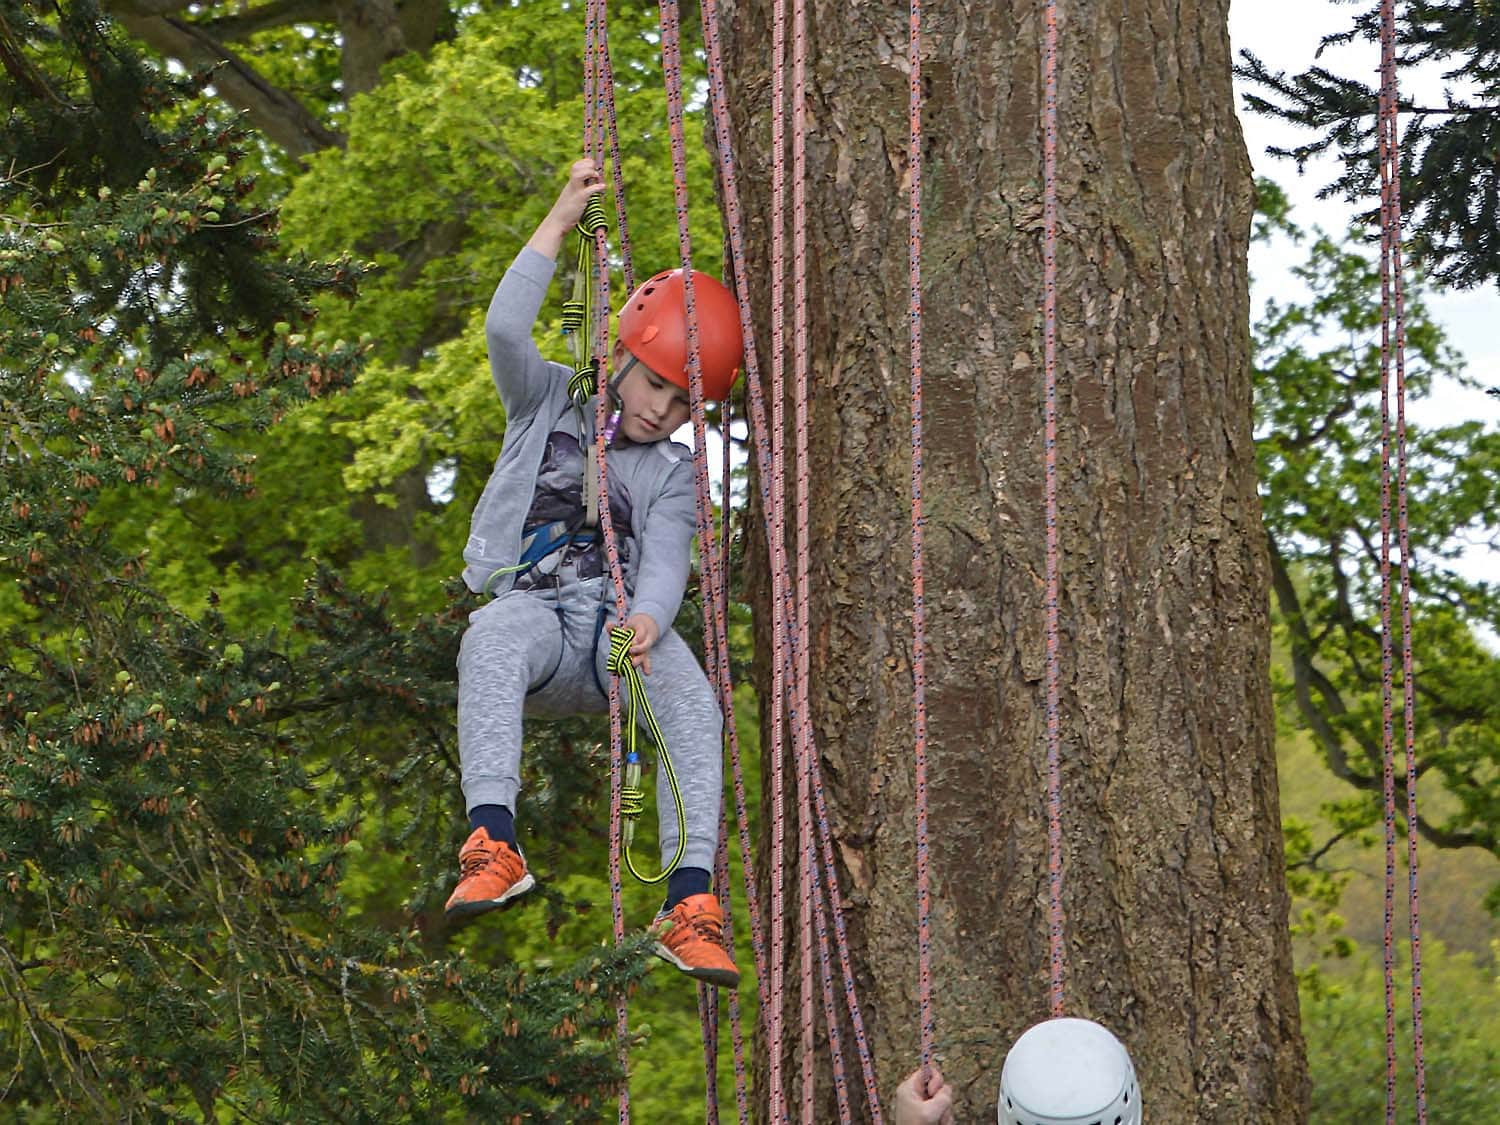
column 632, row 796
column 578, row 313
column 583, row 382
column 632, row 800
column 592, row 221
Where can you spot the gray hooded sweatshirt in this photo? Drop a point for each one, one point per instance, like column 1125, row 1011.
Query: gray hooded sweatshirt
column 534, row 392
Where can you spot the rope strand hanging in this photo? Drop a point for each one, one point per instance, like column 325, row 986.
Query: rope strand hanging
column 1057, row 954
column 599, row 105
column 918, row 597
column 729, row 186
column 778, row 1108
column 593, row 149
column 1393, row 354
column 770, row 481
column 791, row 627
column 813, row 845
column 801, row 729
column 713, row 591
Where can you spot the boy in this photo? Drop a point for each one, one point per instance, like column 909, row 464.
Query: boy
column 541, row 645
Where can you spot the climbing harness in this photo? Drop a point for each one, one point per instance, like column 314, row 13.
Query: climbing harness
column 538, row 545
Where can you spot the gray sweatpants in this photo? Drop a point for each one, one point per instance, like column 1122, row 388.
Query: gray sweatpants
column 534, row 652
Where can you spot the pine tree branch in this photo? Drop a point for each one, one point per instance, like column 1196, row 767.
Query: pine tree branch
column 13, row 55
column 67, row 1046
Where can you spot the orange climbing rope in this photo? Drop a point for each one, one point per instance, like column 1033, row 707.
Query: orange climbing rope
column 714, row 586
column 593, row 134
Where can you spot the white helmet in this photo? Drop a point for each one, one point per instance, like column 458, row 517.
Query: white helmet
column 1068, row 1072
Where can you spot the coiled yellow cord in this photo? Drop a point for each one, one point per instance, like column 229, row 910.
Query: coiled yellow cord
column 632, row 796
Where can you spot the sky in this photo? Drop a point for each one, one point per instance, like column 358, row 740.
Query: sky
column 1285, row 34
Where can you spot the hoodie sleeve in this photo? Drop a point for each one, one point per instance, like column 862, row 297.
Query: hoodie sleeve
column 666, row 548
column 521, row 374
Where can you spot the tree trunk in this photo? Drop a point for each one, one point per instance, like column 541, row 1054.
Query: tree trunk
column 1174, row 893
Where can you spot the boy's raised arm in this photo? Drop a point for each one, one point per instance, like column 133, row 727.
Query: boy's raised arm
column 518, row 369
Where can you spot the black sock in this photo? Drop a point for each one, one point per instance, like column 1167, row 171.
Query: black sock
column 684, row 883
column 497, row 820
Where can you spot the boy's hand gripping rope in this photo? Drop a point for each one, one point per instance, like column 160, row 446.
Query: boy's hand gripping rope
column 632, row 796
column 579, row 311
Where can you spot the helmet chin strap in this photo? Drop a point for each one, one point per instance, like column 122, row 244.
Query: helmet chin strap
column 611, row 426
column 617, row 404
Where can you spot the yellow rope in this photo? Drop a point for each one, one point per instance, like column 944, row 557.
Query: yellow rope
column 632, row 796
column 577, row 316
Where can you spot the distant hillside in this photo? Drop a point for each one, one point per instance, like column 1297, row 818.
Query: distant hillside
column 1452, row 885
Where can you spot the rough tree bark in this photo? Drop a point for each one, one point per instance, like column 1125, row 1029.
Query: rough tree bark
column 1175, row 898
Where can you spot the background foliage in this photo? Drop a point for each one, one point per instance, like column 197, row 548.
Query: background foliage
column 228, row 774
column 235, row 497
column 1450, row 185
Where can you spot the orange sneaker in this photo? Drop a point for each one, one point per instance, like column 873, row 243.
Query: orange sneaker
column 491, row 874
column 690, row 935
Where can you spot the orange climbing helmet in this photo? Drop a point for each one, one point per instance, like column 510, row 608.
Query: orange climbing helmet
column 653, row 326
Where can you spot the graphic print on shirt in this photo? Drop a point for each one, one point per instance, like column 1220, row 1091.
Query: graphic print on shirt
column 559, row 498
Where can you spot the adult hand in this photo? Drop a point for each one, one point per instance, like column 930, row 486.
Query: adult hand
column 932, row 1107
column 646, row 635
column 585, row 180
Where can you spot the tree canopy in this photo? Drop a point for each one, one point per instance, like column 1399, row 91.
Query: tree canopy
column 1450, row 185
column 1318, row 419
column 184, row 797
